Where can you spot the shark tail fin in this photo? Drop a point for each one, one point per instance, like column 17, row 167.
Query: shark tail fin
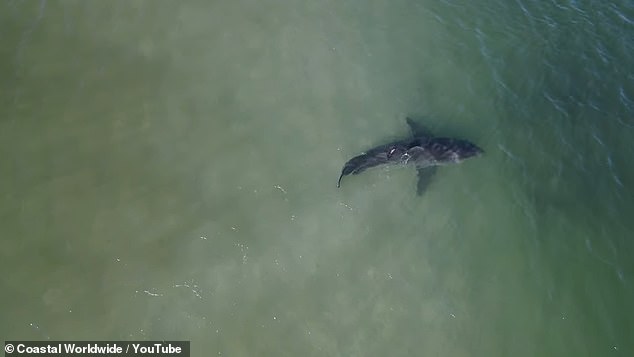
column 348, row 168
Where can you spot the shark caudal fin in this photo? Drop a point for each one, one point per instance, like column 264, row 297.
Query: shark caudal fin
column 349, row 168
column 360, row 163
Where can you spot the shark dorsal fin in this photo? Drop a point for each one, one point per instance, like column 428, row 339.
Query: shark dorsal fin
column 417, row 129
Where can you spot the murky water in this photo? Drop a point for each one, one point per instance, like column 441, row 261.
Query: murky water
column 168, row 171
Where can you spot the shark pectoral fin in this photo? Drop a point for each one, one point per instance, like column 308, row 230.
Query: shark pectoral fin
column 417, row 129
column 425, row 175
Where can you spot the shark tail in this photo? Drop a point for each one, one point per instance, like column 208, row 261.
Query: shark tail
column 339, row 182
column 349, row 168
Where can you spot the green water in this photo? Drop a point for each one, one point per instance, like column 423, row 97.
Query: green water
column 168, row 171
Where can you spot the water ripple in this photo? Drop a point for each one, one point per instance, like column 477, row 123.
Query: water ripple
column 621, row 15
column 556, row 4
column 556, row 103
column 627, row 102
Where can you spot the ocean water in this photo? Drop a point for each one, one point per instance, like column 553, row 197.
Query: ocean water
column 168, row 170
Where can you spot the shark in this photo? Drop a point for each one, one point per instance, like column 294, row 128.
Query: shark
column 422, row 150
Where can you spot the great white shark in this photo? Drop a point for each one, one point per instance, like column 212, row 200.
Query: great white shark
column 422, row 150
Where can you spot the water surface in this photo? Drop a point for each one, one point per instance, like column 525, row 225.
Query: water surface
column 169, row 172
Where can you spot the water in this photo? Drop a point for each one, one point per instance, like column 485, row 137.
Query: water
column 169, row 172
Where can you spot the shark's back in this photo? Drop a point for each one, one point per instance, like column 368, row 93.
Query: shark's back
column 442, row 151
